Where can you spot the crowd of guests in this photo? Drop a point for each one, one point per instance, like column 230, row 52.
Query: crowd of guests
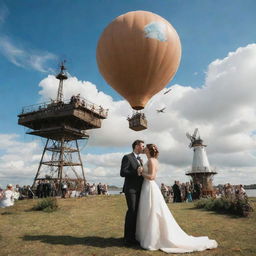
column 189, row 191
column 181, row 192
column 93, row 189
column 231, row 191
column 46, row 188
column 178, row 192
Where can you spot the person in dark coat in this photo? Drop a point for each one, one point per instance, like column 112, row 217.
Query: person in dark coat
column 176, row 192
column 197, row 191
column 48, row 188
column 132, row 188
column 39, row 189
column 99, row 189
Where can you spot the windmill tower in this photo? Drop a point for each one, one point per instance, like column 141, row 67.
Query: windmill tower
column 63, row 123
column 201, row 171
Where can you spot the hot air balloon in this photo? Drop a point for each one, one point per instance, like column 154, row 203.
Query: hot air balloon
column 138, row 53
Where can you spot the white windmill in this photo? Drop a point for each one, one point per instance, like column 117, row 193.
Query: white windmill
column 201, row 171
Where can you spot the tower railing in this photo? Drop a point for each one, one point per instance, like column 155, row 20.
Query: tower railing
column 74, row 101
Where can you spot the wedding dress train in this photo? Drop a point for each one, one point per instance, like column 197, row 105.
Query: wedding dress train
column 157, row 229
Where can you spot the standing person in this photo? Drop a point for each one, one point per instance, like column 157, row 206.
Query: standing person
column 45, row 187
column 197, row 190
column 39, row 189
column 17, row 192
column 156, row 227
column 49, row 188
column 169, row 194
column 93, row 189
column 241, row 192
column 188, row 192
column 99, row 189
column 64, row 189
column 105, row 189
column 176, row 192
column 132, row 188
column 183, row 192
column 164, row 191
column 54, row 189
column 87, row 189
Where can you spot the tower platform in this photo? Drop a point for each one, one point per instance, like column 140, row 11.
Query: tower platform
column 68, row 119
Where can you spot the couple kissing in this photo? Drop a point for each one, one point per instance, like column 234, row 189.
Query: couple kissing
column 148, row 221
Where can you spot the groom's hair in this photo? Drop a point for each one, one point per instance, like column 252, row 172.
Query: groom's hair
column 136, row 142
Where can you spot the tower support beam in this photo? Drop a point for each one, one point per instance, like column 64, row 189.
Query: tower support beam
column 61, row 165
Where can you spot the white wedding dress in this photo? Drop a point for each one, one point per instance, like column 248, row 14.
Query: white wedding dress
column 156, row 227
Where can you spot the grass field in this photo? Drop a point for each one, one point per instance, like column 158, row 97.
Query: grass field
column 93, row 226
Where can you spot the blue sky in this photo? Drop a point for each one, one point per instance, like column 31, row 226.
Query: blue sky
column 63, row 29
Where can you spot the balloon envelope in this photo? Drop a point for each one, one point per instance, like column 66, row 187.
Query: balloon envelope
column 138, row 53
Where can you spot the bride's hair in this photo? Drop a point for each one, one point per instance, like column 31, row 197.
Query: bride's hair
column 153, row 150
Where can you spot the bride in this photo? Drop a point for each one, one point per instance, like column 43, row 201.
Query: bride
column 156, row 227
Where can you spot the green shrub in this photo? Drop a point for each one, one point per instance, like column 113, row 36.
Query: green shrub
column 218, row 204
column 227, row 204
column 240, row 207
column 48, row 204
column 201, row 203
column 209, row 204
column 243, row 207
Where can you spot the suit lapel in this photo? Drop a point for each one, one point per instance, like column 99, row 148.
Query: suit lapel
column 134, row 161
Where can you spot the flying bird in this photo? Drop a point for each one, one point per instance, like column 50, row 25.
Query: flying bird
column 161, row 110
column 167, row 91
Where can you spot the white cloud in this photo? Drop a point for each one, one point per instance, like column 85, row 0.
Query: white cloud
column 223, row 110
column 26, row 58
column 18, row 55
column 19, row 160
column 107, row 160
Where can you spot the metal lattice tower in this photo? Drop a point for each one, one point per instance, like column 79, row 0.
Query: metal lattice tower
column 63, row 123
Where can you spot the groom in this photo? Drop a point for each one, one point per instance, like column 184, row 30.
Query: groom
column 132, row 187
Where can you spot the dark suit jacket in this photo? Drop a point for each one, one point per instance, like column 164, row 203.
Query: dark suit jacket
column 176, row 189
column 129, row 166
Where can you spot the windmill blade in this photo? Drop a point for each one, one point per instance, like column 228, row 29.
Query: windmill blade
column 195, row 132
column 188, row 136
column 198, row 134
